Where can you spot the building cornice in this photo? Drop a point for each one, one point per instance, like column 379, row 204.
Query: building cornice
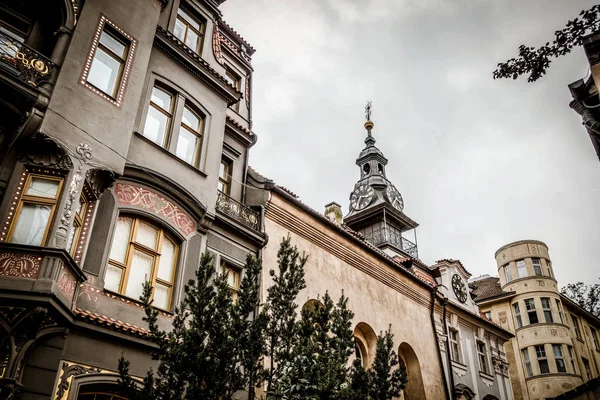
column 518, row 242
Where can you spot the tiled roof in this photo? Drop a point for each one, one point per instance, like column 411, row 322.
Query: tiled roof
column 452, row 261
column 238, row 36
column 240, row 126
column 487, row 288
column 108, row 322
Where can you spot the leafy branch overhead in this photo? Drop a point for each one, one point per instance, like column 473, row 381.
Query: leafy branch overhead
column 535, row 61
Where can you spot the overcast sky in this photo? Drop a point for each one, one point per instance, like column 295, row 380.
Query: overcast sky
column 480, row 163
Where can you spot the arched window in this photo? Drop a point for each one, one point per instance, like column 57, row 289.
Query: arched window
column 142, row 251
column 99, row 392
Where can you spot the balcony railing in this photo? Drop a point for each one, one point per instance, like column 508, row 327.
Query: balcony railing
column 24, row 62
column 386, row 235
column 238, row 211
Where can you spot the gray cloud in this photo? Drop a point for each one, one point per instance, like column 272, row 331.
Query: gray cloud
column 479, row 162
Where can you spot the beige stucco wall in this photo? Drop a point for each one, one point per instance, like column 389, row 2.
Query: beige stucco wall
column 378, row 294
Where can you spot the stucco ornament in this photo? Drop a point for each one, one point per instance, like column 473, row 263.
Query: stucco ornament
column 68, row 371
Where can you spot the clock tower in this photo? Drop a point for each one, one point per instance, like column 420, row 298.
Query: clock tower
column 376, row 206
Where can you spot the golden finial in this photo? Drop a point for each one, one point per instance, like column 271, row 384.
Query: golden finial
column 369, row 124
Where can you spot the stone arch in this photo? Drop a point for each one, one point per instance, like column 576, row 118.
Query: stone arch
column 366, row 340
column 463, row 392
column 414, row 385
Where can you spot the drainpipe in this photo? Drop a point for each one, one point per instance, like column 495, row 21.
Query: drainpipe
column 444, row 303
column 435, row 333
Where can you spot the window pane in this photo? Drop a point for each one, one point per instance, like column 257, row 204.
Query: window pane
column 118, row 250
column 146, row 235
column 222, row 170
column 221, row 186
column 522, row 270
column 156, row 126
column 161, row 98
column 179, row 30
column 104, row 72
column 167, row 259
column 31, row 224
column 190, row 20
column 186, row 145
column 191, row 119
column 42, row 188
column 191, row 40
column 113, row 44
column 161, row 296
column 140, row 272
column 112, row 280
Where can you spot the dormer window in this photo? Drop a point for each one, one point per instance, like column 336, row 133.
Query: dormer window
column 190, row 30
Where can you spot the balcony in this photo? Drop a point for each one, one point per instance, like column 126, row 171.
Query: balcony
column 237, row 211
column 386, row 235
column 39, row 270
column 23, row 62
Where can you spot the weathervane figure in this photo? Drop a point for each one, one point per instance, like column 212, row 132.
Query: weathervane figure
column 368, row 110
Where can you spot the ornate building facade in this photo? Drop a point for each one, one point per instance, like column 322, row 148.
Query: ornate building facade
column 124, row 136
column 367, row 255
column 556, row 346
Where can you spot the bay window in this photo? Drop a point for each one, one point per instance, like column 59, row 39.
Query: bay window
column 140, row 252
column 173, row 123
column 189, row 29
column 34, row 212
column 540, row 352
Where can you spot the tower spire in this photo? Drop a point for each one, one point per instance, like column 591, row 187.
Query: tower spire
column 370, row 140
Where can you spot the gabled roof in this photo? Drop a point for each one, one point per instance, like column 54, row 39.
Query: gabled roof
column 452, row 261
column 487, row 289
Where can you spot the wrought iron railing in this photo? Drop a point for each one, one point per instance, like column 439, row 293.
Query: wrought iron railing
column 29, row 65
column 392, row 237
column 238, row 211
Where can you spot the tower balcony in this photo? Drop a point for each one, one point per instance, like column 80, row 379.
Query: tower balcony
column 387, row 236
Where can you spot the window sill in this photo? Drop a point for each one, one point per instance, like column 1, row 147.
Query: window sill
column 485, row 375
column 173, row 156
column 134, row 302
column 459, row 365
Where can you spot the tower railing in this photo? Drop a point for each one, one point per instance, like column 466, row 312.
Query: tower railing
column 385, row 235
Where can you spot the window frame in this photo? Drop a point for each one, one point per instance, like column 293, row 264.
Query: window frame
column 571, row 352
column 594, row 335
column 36, row 200
column 167, row 113
column 193, row 14
column 561, row 313
column 236, row 81
column 542, row 356
column 78, row 222
column 162, row 234
column 227, row 181
column 199, row 134
column 531, row 311
column 482, row 356
column 518, row 317
column 527, row 362
column 559, row 357
column 547, row 311
column 521, row 267
column 537, row 271
column 508, row 273
column 227, row 266
column 576, row 327
column 117, row 97
column 586, row 368
column 454, row 338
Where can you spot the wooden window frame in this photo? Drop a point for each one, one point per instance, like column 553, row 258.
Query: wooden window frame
column 132, row 246
column 226, row 266
column 168, row 113
column 117, row 98
column 38, row 200
column 200, row 21
column 199, row 134
column 113, row 396
column 226, row 182
column 454, row 342
column 540, row 357
column 482, row 356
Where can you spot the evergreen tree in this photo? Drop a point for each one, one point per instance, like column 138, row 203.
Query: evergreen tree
column 214, row 347
column 280, row 311
column 588, row 297
column 386, row 378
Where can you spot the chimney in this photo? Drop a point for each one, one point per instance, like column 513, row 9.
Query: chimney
column 333, row 212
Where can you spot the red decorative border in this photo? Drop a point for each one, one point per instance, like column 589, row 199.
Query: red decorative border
column 151, row 201
column 20, row 265
column 67, row 282
column 84, row 230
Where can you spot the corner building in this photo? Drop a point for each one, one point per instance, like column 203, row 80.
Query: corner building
column 124, row 137
column 555, row 348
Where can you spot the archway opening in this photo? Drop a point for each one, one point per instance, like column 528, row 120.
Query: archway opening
column 366, row 341
column 414, row 386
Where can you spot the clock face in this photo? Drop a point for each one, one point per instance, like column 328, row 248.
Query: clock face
column 394, row 197
column 459, row 288
column 361, row 197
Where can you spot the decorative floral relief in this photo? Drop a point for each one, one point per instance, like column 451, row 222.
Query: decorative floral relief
column 19, row 265
column 67, row 282
column 147, row 199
